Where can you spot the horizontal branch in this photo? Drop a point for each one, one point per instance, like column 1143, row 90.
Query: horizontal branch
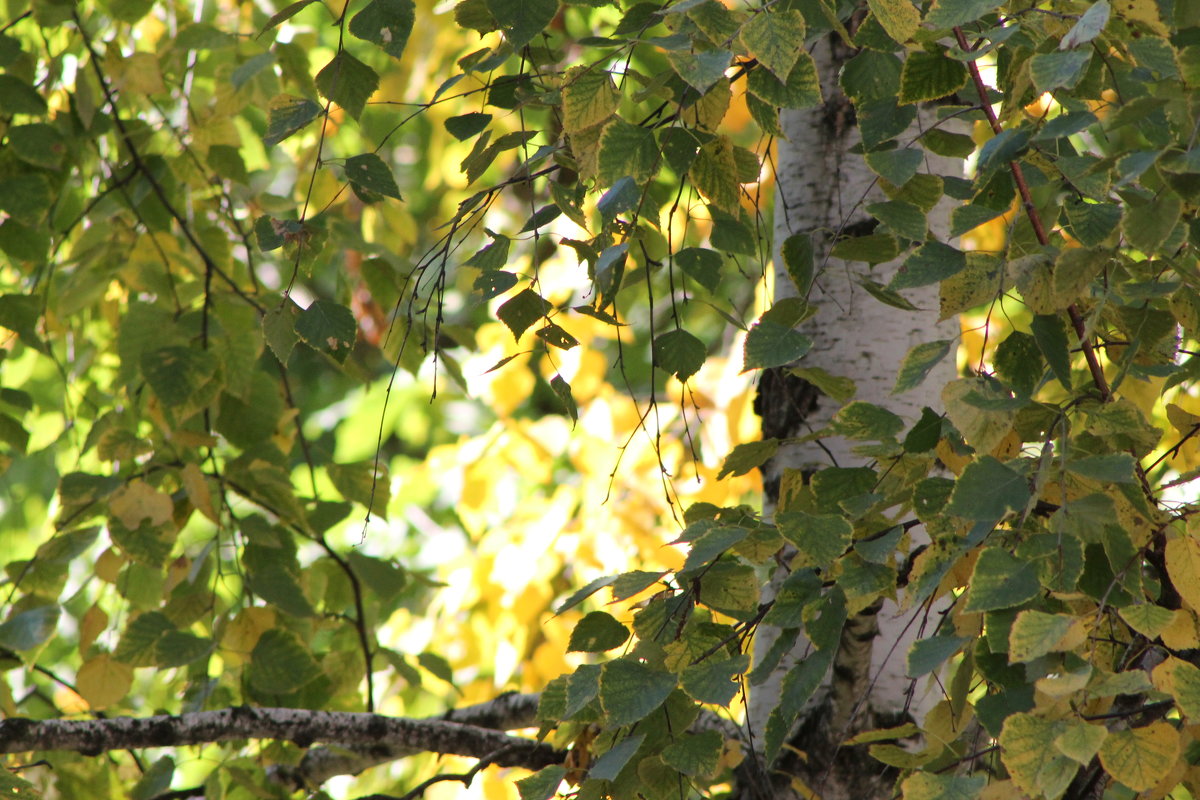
column 302, row 726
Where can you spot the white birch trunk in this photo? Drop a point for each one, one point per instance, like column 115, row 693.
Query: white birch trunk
column 823, row 188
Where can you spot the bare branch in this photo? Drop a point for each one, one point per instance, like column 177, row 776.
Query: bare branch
column 302, row 726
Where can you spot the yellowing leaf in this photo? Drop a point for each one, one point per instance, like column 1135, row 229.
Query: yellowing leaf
column 1080, row 740
column 1141, row 757
column 1028, row 751
column 1181, row 680
column 588, row 98
column 139, row 501
column 103, row 681
column 108, row 565
column 94, row 621
column 242, row 634
column 197, row 490
column 1148, row 619
column 1035, row 633
column 1181, row 633
column 1183, row 565
column 899, row 18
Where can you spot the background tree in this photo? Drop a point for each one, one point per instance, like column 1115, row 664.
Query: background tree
column 256, row 535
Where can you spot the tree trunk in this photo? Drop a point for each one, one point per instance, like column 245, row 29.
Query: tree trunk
column 823, row 188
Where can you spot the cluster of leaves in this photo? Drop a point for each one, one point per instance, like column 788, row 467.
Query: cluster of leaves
column 152, row 260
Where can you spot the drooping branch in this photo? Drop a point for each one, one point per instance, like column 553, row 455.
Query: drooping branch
column 302, row 726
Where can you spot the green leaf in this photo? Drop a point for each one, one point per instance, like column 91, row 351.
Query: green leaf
column 1109, row 468
column 177, row 373
column 1058, row 70
column 139, row 641
column 875, row 248
column 588, row 98
column 562, row 389
column 715, row 681
column 1050, row 335
column 25, row 196
column 348, row 82
column 39, row 144
column 1000, row 579
column 465, row 126
column 630, row 690
column 866, row 422
column 701, row 265
column 899, row 18
column 26, row 630
column 695, row 754
column 363, row 483
column 952, row 13
column 747, row 456
column 903, row 219
column 928, row 655
column 886, row 295
column 1091, row 223
column 700, row 70
column 730, row 588
column 988, row 490
column 769, row 344
column 679, row 353
column 18, row 97
column 820, row 538
column 287, row 115
column 386, row 23
column 179, row 648
column 1147, row 225
column 1019, row 362
column 1149, row 620
column 369, row 172
column 967, row 218
column 626, row 151
column 609, row 765
column 929, row 263
column 286, row 13
column 714, row 173
column 930, row 76
column 802, row 89
column 522, row 20
column 771, row 38
column 279, row 329
column 596, row 633
column 896, row 166
column 543, row 784
column 329, row 328
column 280, row 664
column 522, row 310
column 919, row 362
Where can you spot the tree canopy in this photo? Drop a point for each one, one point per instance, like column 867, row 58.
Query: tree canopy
column 377, row 395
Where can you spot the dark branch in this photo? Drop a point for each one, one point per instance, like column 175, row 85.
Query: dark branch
column 301, row 726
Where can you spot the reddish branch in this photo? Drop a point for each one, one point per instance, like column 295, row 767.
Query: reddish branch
column 1035, row 219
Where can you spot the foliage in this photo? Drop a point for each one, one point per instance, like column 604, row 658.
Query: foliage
column 237, row 267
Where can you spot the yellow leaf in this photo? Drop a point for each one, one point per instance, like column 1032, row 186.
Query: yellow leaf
column 588, row 98
column 92, row 625
column 1183, row 565
column 103, row 681
column 243, row 633
column 1143, row 11
column 138, row 501
column 1181, row 680
column 108, row 565
column 1141, row 757
column 1180, row 634
column 1183, row 421
column 899, row 18
column 197, row 490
